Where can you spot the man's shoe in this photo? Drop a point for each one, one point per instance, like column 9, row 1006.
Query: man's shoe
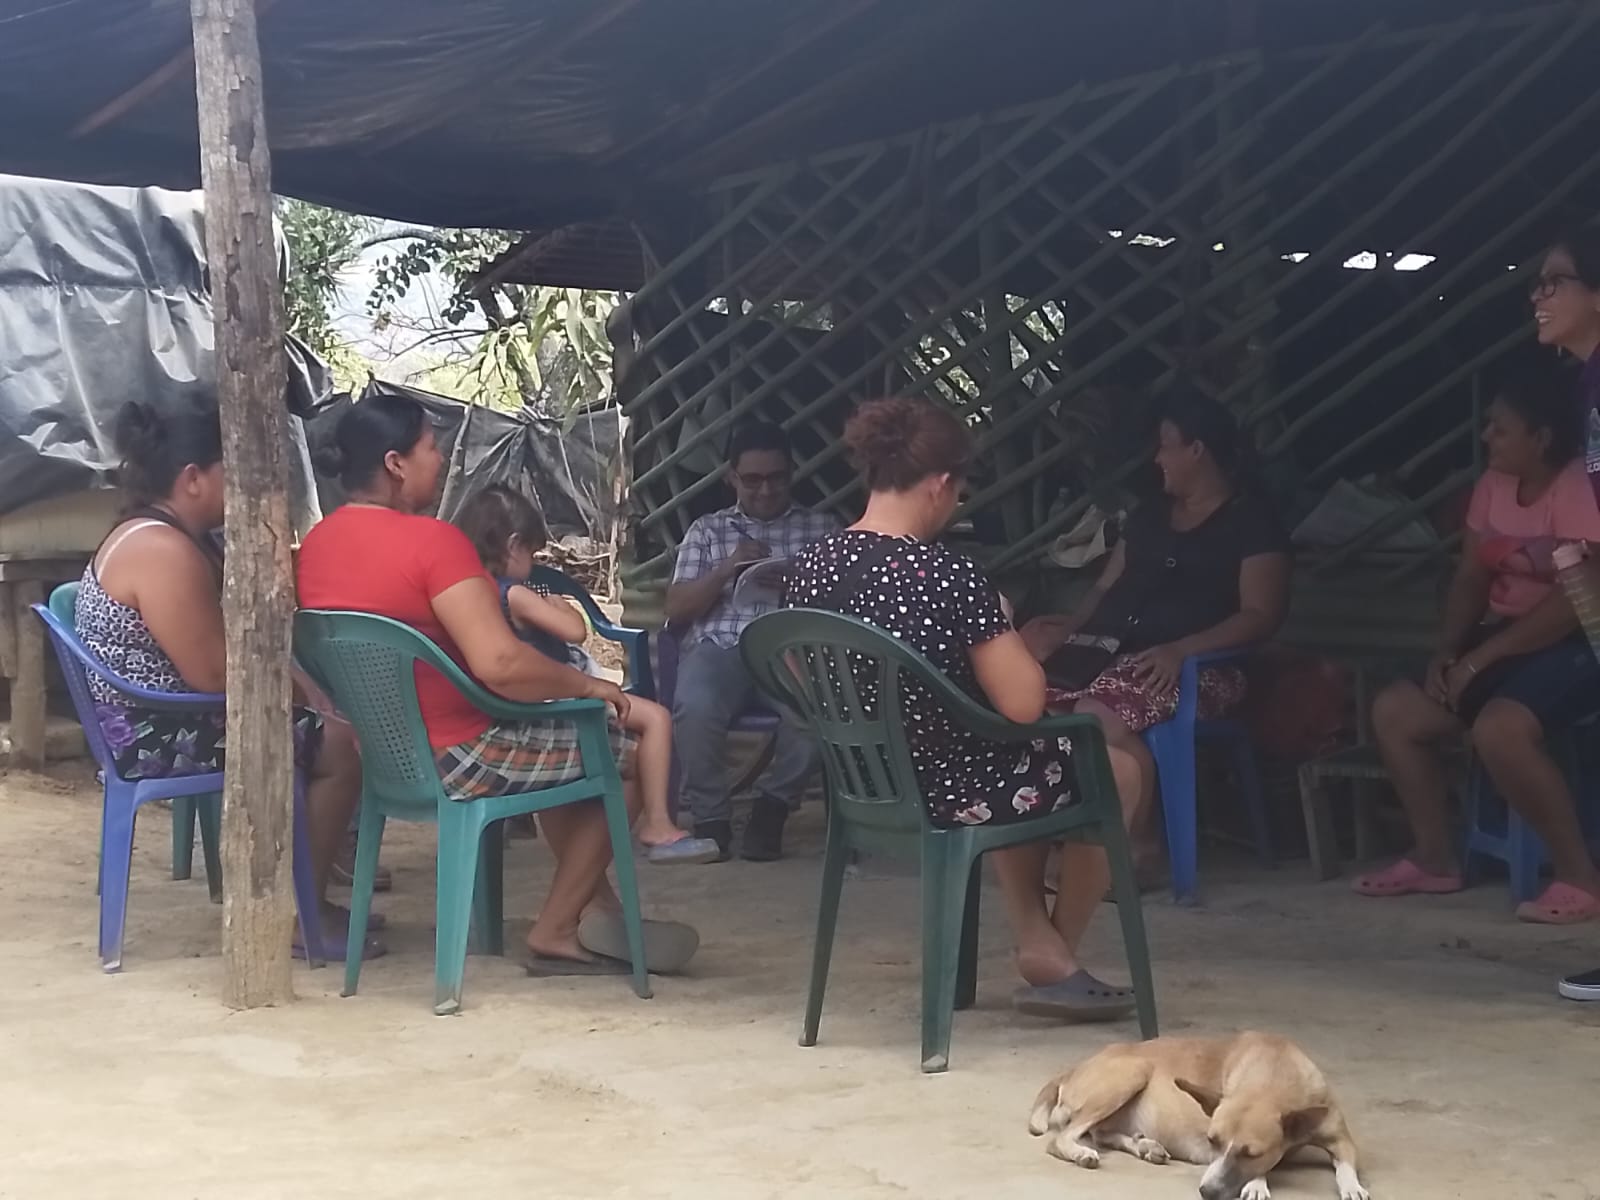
column 763, row 835
column 720, row 832
column 1583, row 986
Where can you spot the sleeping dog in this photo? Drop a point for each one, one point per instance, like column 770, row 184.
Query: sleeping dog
column 1237, row 1106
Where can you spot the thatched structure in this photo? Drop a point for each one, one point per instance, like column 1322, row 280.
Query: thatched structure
column 1035, row 209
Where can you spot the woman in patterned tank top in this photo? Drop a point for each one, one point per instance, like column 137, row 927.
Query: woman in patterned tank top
column 150, row 608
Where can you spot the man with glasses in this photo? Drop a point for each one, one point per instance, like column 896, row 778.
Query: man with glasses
column 709, row 613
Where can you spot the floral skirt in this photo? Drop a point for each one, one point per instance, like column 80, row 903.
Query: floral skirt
column 1221, row 690
column 1040, row 781
column 159, row 744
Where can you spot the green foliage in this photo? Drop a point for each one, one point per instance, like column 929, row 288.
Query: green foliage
column 505, row 346
column 323, row 244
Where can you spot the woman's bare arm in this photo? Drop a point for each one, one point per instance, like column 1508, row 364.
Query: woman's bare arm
column 502, row 662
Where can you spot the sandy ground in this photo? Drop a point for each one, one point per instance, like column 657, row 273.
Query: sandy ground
column 1435, row 1019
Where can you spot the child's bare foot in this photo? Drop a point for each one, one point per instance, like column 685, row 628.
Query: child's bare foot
column 663, row 834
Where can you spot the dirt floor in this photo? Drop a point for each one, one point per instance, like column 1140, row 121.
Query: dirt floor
column 1435, row 1019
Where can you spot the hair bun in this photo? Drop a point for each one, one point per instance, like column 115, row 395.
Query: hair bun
column 329, row 458
column 138, row 429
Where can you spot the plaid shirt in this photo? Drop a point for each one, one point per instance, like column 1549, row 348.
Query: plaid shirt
column 712, row 540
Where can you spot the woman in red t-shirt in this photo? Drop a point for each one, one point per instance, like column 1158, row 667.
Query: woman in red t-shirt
column 379, row 554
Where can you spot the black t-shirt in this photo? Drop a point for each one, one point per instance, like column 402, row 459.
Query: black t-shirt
column 1173, row 585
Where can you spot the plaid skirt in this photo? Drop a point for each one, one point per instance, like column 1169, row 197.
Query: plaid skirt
column 507, row 759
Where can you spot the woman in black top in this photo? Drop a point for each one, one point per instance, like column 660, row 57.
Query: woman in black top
column 887, row 570
column 1205, row 570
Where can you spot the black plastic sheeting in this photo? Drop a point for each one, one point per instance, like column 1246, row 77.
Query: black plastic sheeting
column 575, row 469
column 104, row 299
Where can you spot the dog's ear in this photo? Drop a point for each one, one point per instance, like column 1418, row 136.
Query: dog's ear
column 1300, row 1125
column 1204, row 1097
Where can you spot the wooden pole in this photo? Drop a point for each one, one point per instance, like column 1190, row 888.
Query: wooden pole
column 258, row 587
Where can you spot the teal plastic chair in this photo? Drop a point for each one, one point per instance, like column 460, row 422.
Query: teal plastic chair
column 803, row 659
column 186, row 810
column 366, row 665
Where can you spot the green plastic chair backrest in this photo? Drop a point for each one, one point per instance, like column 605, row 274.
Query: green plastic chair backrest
column 367, row 666
column 847, row 679
column 64, row 604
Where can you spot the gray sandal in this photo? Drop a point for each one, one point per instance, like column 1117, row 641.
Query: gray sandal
column 668, row 945
column 1078, row 997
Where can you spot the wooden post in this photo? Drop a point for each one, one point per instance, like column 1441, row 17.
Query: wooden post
column 258, row 586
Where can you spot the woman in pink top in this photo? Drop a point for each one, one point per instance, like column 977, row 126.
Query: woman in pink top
column 1511, row 665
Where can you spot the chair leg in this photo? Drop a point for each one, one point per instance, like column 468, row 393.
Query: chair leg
column 835, row 858
column 967, row 957
column 1248, row 773
column 616, row 809
column 1321, row 839
column 487, row 934
column 947, row 861
column 116, row 863
column 1524, row 856
column 460, row 834
column 1173, row 748
column 1130, row 914
column 183, row 837
column 308, row 905
column 460, row 830
column 208, row 810
column 369, row 836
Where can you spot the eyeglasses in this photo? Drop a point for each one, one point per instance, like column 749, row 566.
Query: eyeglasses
column 754, row 482
column 1546, row 286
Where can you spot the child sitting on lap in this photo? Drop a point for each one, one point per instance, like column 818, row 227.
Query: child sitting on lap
column 508, row 529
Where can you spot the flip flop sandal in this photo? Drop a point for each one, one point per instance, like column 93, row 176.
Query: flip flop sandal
column 1560, row 904
column 543, row 966
column 1078, row 997
column 1405, row 878
column 684, row 850
column 334, row 951
column 668, row 945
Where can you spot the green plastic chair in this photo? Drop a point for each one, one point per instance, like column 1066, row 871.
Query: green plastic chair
column 186, row 810
column 801, row 659
column 366, row 665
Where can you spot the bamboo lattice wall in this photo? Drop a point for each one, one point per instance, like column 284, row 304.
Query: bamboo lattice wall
column 994, row 263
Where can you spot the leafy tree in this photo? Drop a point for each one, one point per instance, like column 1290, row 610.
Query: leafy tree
column 508, row 345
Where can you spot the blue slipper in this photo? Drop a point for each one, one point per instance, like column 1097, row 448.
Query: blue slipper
column 684, row 850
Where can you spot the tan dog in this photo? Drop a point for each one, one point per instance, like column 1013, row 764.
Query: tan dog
column 1237, row 1106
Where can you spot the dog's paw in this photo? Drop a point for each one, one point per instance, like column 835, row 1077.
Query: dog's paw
column 1256, row 1189
column 1353, row 1191
column 1151, row 1151
column 1075, row 1152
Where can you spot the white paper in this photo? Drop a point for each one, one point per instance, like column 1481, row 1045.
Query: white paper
column 761, row 583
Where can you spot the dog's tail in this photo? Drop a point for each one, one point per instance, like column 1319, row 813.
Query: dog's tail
column 1050, row 1109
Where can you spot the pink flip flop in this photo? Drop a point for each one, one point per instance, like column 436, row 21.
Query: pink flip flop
column 1560, row 904
column 1405, row 878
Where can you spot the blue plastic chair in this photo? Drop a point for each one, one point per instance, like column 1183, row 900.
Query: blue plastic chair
column 1173, row 746
column 367, row 666
column 635, row 642
column 124, row 797
column 1496, row 830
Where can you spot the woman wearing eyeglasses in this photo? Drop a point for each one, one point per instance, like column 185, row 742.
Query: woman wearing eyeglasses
column 1566, row 310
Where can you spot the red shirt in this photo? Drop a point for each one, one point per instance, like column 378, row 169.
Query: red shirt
column 392, row 564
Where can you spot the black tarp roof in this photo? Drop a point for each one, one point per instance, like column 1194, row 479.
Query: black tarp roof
column 539, row 113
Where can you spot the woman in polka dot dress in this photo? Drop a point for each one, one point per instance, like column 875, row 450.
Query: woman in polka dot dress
column 886, row 570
